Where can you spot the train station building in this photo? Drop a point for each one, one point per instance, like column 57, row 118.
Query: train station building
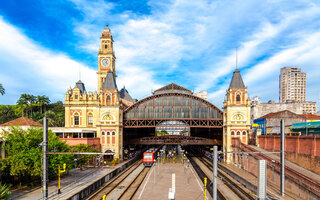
column 110, row 120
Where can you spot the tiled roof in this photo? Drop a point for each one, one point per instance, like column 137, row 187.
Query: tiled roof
column 310, row 116
column 236, row 81
column 126, row 102
column 276, row 113
column 21, row 121
column 124, row 94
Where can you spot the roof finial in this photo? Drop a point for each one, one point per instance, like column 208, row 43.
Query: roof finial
column 237, row 58
column 79, row 71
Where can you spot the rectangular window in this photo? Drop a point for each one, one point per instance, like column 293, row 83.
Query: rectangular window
column 76, row 120
column 90, row 120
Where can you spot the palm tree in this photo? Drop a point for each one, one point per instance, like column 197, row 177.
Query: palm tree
column 31, row 101
column 22, row 103
column 2, row 90
column 42, row 101
column 51, row 117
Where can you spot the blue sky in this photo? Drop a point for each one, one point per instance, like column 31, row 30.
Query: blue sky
column 43, row 44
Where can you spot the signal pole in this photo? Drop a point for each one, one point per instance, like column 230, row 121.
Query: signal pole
column 44, row 159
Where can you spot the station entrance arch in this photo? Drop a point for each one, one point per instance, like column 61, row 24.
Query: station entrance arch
column 178, row 104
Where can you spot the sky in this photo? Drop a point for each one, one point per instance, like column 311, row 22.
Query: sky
column 47, row 46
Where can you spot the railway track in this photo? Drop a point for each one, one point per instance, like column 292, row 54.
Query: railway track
column 125, row 185
column 236, row 187
column 227, row 187
column 310, row 184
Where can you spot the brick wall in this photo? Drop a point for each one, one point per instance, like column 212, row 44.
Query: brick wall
column 307, row 145
column 302, row 150
column 95, row 142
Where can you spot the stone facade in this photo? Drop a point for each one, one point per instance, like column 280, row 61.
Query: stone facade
column 99, row 112
column 236, row 114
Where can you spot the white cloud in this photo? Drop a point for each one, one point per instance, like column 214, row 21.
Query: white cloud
column 32, row 68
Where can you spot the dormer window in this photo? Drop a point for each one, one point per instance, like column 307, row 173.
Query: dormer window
column 76, row 96
column 108, row 99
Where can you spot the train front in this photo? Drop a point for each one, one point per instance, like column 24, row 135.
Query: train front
column 148, row 159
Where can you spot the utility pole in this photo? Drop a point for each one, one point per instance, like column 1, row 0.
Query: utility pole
column 215, row 174
column 44, row 159
column 282, row 177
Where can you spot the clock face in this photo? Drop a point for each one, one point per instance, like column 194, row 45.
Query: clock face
column 105, row 62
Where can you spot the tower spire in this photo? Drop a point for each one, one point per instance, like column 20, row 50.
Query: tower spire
column 237, row 58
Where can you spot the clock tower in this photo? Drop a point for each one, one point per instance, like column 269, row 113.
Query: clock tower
column 106, row 57
column 236, row 114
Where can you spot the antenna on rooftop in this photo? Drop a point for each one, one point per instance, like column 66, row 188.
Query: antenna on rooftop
column 79, row 71
column 237, row 58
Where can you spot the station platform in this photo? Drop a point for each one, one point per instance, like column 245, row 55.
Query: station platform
column 157, row 183
column 68, row 183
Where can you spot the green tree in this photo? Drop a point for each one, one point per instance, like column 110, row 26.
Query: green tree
column 22, row 104
column 2, row 90
column 5, row 191
column 83, row 159
column 24, row 154
column 42, row 102
column 7, row 113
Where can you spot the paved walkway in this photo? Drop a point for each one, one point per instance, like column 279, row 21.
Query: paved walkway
column 187, row 183
column 292, row 165
column 67, row 183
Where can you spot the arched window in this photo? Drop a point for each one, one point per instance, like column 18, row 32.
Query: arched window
column 238, row 98
column 232, row 132
column 76, row 119
column 238, row 132
column 113, row 137
column 90, row 119
column 103, row 133
column 108, row 137
column 244, row 133
column 108, row 99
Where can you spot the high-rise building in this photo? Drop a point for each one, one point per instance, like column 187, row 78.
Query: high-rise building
column 292, row 86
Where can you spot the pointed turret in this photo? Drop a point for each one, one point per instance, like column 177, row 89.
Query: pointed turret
column 237, row 82
column 124, row 94
column 81, row 87
column 110, row 82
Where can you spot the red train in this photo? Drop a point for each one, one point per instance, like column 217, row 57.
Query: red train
column 148, row 157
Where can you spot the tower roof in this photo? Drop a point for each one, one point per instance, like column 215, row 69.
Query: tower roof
column 124, row 94
column 106, row 32
column 172, row 88
column 81, row 87
column 110, row 82
column 236, row 81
